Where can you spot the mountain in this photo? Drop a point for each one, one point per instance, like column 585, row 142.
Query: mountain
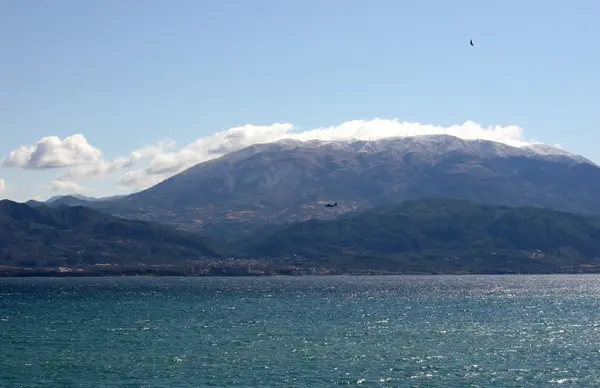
column 289, row 181
column 73, row 200
column 419, row 236
column 441, row 235
column 76, row 196
column 78, row 199
column 53, row 236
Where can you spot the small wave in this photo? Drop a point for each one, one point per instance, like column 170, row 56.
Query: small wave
column 563, row 381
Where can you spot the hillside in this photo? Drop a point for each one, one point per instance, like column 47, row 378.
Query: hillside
column 73, row 200
column 418, row 236
column 289, row 181
column 441, row 235
column 65, row 199
column 68, row 236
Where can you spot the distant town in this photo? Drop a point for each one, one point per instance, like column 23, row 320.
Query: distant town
column 234, row 267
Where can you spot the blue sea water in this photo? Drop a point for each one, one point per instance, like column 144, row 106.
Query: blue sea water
column 396, row 331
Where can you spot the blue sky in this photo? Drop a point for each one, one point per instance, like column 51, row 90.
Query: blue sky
column 128, row 74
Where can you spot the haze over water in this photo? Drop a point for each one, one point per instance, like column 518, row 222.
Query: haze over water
column 428, row 331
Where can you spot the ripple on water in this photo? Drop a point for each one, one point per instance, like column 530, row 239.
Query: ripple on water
column 301, row 331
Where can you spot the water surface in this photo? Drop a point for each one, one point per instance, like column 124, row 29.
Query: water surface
column 400, row 331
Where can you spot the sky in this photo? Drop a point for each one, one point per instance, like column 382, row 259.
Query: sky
column 113, row 96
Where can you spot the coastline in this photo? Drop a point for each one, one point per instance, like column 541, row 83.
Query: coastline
column 154, row 271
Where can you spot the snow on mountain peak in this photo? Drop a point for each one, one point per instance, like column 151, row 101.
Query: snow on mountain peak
column 437, row 143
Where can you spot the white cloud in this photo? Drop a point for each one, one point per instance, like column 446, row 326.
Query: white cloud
column 380, row 128
column 221, row 143
column 80, row 161
column 149, row 152
column 52, row 152
column 101, row 167
column 2, row 185
column 66, row 186
column 138, row 180
column 166, row 164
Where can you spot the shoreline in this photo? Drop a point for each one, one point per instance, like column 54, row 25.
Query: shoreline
column 155, row 273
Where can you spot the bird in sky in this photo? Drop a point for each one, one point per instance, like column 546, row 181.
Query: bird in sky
column 471, row 42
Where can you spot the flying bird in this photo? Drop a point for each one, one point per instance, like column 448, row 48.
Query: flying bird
column 330, row 205
column 471, row 42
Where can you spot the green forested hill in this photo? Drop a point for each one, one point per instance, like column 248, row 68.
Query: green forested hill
column 53, row 236
column 436, row 233
column 422, row 236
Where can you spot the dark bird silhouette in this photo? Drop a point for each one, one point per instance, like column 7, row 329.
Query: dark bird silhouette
column 471, row 42
column 330, row 205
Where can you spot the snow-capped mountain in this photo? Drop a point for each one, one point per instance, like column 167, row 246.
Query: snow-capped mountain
column 292, row 180
column 439, row 144
column 431, row 145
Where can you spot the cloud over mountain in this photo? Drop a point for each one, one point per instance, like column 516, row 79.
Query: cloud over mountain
column 66, row 186
column 52, row 152
column 166, row 164
column 77, row 160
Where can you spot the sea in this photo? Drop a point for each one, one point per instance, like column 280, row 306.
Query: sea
column 389, row 331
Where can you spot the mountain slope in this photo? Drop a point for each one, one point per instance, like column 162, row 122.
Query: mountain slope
column 436, row 234
column 280, row 173
column 43, row 236
column 78, row 199
column 292, row 180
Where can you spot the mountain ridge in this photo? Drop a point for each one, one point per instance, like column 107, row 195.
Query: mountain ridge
column 427, row 236
column 441, row 235
column 68, row 235
column 291, row 180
